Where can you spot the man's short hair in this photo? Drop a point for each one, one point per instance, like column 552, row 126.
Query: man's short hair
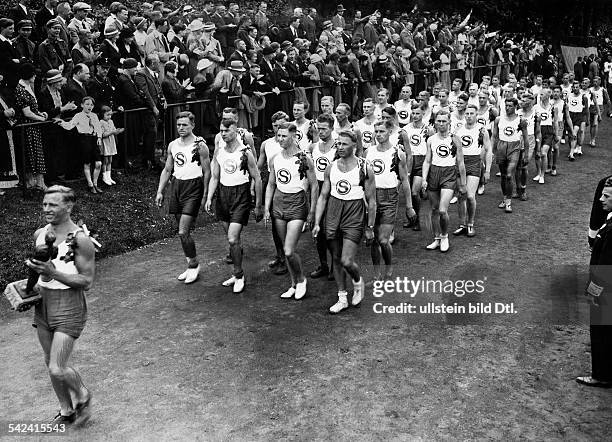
column 327, row 98
column 228, row 122
column 463, row 97
column 88, row 98
column 471, row 106
column 280, row 115
column 348, row 134
column 326, row 118
column 390, row 110
column 289, row 126
column 512, row 100
column 443, row 112
column 68, row 195
column 345, row 106
column 230, row 110
column 368, row 100
column 608, row 182
column 186, row 114
column 386, row 124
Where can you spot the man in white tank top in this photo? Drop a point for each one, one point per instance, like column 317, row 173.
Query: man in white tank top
column 303, row 125
column 62, row 313
column 390, row 169
column 267, row 151
column 563, row 121
column 403, row 106
column 439, row 178
column 529, row 113
column 323, row 152
column 188, row 162
column 366, row 126
column 578, row 106
column 245, row 136
column 343, row 123
column 232, row 168
column 548, row 124
column 347, row 181
column 476, row 146
column 508, row 131
column 289, row 170
column 599, row 98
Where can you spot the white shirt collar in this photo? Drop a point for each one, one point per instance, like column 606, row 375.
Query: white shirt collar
column 153, row 74
column 609, row 216
column 3, row 38
column 24, row 8
column 78, row 82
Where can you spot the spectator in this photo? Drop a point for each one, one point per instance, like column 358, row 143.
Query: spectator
column 227, row 82
column 578, row 71
column 21, row 12
column 308, row 25
column 140, row 34
column 370, row 34
column 212, row 48
column 26, row 106
column 63, row 14
column 338, row 19
column 23, row 44
column 75, row 87
column 80, row 23
column 260, row 20
column 7, row 146
column 175, row 92
column 147, row 82
column 42, row 17
column 8, row 54
column 127, row 45
column 118, row 16
column 99, row 86
column 157, row 43
column 110, row 50
column 83, row 51
column 128, row 97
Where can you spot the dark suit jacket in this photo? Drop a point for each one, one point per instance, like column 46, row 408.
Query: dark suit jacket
column 221, row 32
column 238, row 56
column 16, row 14
column 286, row 34
column 150, row 89
column 101, row 91
column 268, row 72
column 250, row 85
column 309, row 27
column 108, row 51
column 127, row 94
column 25, row 48
column 8, row 68
column 73, row 92
column 41, row 18
column 231, row 33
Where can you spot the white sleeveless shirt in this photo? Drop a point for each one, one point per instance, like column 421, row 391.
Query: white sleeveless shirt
column 322, row 160
column 442, row 151
column 229, row 165
column 186, row 165
column 271, row 148
column 508, row 129
column 367, row 133
column 417, row 138
column 64, row 267
column 469, row 139
column 287, row 174
column 346, row 186
column 301, row 135
column 575, row 103
column 381, row 165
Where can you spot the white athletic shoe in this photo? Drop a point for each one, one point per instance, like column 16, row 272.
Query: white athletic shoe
column 192, row 275
column 183, row 276
column 541, row 180
column 289, row 293
column 434, row 245
column 358, row 292
column 536, row 178
column 229, row 282
column 342, row 304
column 444, row 244
column 454, row 200
column 498, row 174
column 562, row 140
column 480, row 190
column 113, row 182
column 238, row 284
column 300, row 289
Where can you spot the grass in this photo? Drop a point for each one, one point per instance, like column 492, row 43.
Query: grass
column 123, row 218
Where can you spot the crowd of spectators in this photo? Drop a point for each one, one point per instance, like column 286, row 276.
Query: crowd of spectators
column 155, row 58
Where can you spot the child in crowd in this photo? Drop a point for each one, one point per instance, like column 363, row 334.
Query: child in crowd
column 109, row 143
column 90, row 141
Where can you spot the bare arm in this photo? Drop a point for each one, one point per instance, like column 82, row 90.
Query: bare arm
column 205, row 162
column 270, row 191
column 214, row 179
column 370, row 194
column 164, row 177
column 254, row 172
column 322, row 200
column 426, row 164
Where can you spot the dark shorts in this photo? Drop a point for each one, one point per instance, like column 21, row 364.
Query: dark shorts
column 506, row 150
column 234, row 203
column 90, row 151
column 417, row 165
column 441, row 178
column 345, row 219
column 577, row 118
column 386, row 205
column 289, row 206
column 593, row 117
column 548, row 135
column 473, row 165
column 186, row 196
column 62, row 311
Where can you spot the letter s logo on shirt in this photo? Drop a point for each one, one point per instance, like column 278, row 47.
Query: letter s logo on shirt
column 508, row 131
column 322, row 163
column 283, row 176
column 343, row 187
column 378, row 166
column 179, row 159
column 230, row 166
column 403, row 115
column 466, row 140
column 443, row 150
column 367, row 137
column 415, row 140
column 298, row 135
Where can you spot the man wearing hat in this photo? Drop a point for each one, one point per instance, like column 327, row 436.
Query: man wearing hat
column 54, row 102
column 53, row 52
column 309, row 26
column 21, row 12
column 23, row 44
column 227, row 82
column 260, row 20
column 118, row 16
column 80, row 22
column 338, row 19
column 127, row 97
column 99, row 86
column 212, row 47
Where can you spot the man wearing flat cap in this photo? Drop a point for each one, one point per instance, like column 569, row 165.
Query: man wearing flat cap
column 80, row 22
column 127, row 97
column 22, row 12
column 53, row 52
column 338, row 19
column 23, row 44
